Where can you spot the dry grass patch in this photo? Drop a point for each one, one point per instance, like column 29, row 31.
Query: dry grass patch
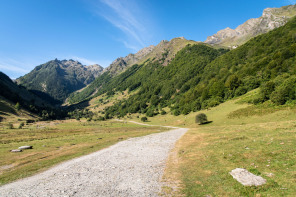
column 59, row 142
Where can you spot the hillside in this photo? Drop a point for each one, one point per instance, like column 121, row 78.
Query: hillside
column 122, row 63
column 201, row 77
column 162, row 54
column 17, row 103
column 15, row 93
column 271, row 18
column 55, row 80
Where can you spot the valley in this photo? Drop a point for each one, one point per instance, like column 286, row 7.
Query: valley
column 242, row 80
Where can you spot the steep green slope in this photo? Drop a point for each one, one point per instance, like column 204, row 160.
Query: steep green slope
column 267, row 61
column 55, row 80
column 162, row 54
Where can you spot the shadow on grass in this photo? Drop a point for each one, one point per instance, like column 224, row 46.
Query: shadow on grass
column 208, row 122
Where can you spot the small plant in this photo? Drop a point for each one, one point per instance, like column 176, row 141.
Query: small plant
column 17, row 106
column 201, row 118
column 100, row 118
column 21, row 125
column 144, row 119
column 10, row 126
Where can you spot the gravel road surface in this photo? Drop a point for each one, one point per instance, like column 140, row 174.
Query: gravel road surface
column 133, row 167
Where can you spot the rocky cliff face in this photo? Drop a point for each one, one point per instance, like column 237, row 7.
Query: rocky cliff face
column 165, row 51
column 120, row 64
column 271, row 18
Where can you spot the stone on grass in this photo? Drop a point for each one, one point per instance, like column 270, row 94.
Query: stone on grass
column 16, row 151
column 246, row 178
column 25, row 147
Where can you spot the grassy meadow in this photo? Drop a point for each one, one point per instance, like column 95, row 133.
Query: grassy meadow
column 57, row 141
column 259, row 138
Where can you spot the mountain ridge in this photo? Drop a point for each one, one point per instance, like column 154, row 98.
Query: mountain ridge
column 271, row 18
column 163, row 53
column 56, row 79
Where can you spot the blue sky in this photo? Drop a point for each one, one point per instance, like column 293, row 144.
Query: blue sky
column 33, row 32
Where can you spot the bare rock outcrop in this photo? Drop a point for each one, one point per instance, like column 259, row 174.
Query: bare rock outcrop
column 271, row 18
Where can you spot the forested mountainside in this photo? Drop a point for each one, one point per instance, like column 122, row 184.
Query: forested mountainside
column 163, row 53
column 271, row 18
column 200, row 76
column 55, row 80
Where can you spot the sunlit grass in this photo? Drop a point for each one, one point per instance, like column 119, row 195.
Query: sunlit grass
column 259, row 138
column 54, row 142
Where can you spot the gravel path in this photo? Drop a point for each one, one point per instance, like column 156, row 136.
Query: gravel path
column 133, row 167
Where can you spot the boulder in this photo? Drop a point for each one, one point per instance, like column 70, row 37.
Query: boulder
column 247, row 178
column 25, row 147
column 16, row 151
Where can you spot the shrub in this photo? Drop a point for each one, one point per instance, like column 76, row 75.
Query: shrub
column 201, row 118
column 21, row 125
column 144, row 119
column 176, row 112
column 100, row 118
column 150, row 113
column 163, row 112
column 17, row 106
column 10, row 126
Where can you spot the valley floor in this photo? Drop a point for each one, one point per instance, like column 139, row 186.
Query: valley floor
column 130, row 168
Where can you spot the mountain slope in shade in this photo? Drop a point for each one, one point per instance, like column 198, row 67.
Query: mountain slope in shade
column 14, row 93
column 272, row 18
column 56, row 79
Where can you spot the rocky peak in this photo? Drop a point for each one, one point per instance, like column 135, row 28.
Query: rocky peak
column 271, row 18
column 120, row 64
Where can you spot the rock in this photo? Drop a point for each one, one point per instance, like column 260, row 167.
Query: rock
column 246, row 178
column 25, row 147
column 16, row 151
column 271, row 18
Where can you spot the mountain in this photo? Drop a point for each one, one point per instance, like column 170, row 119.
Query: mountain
column 15, row 93
column 56, row 79
column 200, row 77
column 120, row 64
column 271, row 18
column 163, row 54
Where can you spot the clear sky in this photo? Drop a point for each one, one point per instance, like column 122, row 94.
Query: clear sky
column 33, row 32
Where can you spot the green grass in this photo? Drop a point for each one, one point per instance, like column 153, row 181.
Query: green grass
column 208, row 155
column 259, row 138
column 55, row 142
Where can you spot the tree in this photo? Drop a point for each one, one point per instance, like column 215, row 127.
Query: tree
column 17, row 106
column 232, row 82
column 144, row 119
column 201, row 118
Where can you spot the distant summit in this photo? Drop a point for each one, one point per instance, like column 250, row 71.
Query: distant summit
column 271, row 18
column 121, row 63
column 56, row 79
